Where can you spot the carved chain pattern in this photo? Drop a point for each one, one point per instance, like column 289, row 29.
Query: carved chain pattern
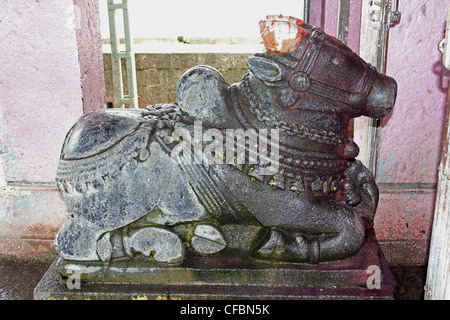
column 264, row 115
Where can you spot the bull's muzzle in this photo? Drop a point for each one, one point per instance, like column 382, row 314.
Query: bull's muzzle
column 381, row 97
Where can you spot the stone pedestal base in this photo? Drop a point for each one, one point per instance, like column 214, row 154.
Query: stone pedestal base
column 365, row 275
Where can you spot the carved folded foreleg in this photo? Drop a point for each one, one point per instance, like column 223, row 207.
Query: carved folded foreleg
column 112, row 173
column 340, row 237
column 301, row 226
column 342, row 228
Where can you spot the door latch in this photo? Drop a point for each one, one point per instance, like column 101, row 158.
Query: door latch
column 443, row 44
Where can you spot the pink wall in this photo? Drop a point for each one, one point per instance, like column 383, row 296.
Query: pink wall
column 412, row 133
column 324, row 14
column 90, row 55
column 47, row 77
column 40, row 86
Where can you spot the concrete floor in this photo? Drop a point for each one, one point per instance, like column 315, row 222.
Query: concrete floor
column 19, row 278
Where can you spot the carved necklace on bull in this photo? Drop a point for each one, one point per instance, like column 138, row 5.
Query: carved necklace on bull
column 297, row 171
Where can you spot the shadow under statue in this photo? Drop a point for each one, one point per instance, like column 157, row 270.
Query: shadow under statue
column 243, row 191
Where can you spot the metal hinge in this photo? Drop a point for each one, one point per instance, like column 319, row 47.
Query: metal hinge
column 443, row 44
column 381, row 14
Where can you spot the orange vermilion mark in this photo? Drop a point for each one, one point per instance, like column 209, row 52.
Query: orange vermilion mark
column 281, row 34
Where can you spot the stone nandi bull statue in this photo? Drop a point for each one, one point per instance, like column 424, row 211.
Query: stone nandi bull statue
column 127, row 195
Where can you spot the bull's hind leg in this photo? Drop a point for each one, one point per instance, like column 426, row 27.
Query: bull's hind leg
column 134, row 201
column 110, row 183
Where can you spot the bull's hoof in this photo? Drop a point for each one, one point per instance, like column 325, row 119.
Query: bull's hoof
column 282, row 247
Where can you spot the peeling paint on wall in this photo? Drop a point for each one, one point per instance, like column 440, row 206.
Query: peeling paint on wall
column 384, row 164
column 2, row 175
column 41, row 95
column 41, row 90
column 9, row 155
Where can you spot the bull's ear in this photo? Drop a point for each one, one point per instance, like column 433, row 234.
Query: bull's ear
column 264, row 69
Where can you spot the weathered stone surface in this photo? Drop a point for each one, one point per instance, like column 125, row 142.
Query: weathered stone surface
column 162, row 245
column 97, row 208
column 202, row 93
column 226, row 278
column 30, row 215
column 104, row 248
column 144, row 187
column 207, row 240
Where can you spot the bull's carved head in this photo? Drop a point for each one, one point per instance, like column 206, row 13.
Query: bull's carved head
column 311, row 68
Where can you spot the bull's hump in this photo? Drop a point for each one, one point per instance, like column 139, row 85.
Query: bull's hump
column 203, row 94
column 97, row 132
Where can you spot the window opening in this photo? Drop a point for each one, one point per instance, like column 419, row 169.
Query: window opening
column 125, row 57
column 178, row 26
column 197, row 25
